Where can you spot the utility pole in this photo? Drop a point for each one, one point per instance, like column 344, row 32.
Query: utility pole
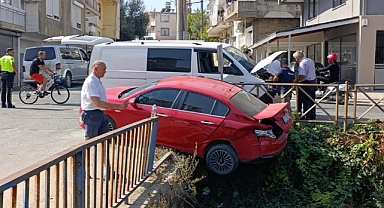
column 202, row 19
column 179, row 20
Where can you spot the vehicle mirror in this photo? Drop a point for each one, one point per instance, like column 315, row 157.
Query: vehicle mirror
column 132, row 101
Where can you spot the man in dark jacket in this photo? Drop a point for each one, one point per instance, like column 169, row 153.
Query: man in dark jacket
column 286, row 76
column 333, row 68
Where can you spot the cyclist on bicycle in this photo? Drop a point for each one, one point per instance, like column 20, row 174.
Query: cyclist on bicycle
column 37, row 65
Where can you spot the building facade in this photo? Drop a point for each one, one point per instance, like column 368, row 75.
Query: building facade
column 162, row 25
column 243, row 22
column 353, row 29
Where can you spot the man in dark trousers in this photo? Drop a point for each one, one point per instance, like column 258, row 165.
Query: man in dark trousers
column 8, row 71
column 286, row 76
column 333, row 68
column 307, row 75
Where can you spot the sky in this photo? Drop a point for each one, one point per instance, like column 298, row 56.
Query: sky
column 159, row 4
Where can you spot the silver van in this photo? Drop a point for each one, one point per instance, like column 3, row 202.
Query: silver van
column 69, row 62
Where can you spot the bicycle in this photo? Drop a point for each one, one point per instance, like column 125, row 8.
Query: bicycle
column 29, row 94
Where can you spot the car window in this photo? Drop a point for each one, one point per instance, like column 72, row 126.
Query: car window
column 84, row 56
column 161, row 98
column 70, row 53
column 128, row 93
column 220, row 109
column 31, row 53
column 248, row 103
column 198, row 103
column 169, row 60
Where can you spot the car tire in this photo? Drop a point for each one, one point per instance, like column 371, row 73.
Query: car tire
column 111, row 125
column 68, row 80
column 222, row 159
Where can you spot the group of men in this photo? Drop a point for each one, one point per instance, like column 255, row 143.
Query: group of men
column 306, row 74
column 8, row 72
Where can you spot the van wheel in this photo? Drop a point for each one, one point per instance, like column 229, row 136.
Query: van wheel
column 68, row 80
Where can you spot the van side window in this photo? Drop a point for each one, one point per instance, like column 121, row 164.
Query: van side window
column 169, row 60
column 84, row 56
column 70, row 53
column 209, row 63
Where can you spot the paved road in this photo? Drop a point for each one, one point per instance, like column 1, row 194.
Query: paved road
column 31, row 133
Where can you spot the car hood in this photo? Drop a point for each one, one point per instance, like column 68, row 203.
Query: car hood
column 263, row 63
column 113, row 94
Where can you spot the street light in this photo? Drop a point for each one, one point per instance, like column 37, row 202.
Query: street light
column 202, row 15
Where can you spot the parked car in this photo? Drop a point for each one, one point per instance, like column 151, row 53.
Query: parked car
column 228, row 124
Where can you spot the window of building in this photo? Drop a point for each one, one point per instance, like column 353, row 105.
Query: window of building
column 76, row 15
column 8, row 2
column 99, row 6
column 338, row 2
column 169, row 60
column 314, row 52
column 379, row 58
column 164, row 18
column 164, row 31
column 312, row 9
column 53, row 9
column 152, row 29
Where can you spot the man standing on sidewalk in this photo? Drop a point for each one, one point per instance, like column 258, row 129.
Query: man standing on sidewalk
column 8, row 71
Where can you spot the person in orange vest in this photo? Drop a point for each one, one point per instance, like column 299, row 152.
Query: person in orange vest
column 8, row 70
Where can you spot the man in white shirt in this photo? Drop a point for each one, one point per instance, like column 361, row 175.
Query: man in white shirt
column 94, row 102
column 307, row 75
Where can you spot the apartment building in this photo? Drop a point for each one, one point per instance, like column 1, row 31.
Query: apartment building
column 162, row 25
column 12, row 25
column 353, row 29
column 243, row 22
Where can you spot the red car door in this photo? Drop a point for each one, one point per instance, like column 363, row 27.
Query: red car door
column 164, row 100
column 194, row 122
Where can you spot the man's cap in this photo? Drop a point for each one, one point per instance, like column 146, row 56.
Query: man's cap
column 284, row 61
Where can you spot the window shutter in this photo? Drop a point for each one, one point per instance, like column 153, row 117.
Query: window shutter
column 56, row 9
column 49, row 4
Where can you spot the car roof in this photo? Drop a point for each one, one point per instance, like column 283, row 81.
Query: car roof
column 171, row 44
column 206, row 86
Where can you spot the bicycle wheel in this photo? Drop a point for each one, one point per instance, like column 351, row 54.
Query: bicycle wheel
column 60, row 94
column 28, row 95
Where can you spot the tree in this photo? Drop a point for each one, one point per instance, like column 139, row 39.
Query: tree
column 194, row 26
column 133, row 19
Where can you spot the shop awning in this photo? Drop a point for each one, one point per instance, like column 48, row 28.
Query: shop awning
column 304, row 30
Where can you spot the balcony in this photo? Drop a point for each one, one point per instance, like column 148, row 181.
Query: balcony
column 217, row 25
column 91, row 8
column 12, row 18
column 239, row 10
column 110, row 1
column 282, row 2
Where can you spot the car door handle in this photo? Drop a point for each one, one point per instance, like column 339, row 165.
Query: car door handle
column 162, row 115
column 206, row 122
column 118, row 111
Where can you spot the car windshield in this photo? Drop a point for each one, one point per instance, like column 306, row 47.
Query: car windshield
column 132, row 91
column 244, row 60
column 31, row 53
column 248, row 103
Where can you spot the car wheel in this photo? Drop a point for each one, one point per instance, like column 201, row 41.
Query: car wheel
column 111, row 124
column 222, row 159
column 68, row 80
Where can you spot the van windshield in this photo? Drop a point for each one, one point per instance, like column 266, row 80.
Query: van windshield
column 31, row 53
column 244, row 60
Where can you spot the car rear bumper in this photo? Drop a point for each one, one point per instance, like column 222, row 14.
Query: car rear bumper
column 254, row 151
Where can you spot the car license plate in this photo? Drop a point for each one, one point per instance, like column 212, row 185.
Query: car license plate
column 287, row 118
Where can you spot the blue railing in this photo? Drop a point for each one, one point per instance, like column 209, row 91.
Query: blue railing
column 101, row 172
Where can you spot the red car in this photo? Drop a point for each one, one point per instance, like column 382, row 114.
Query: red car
column 227, row 123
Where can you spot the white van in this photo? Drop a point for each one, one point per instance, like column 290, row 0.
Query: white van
column 138, row 63
column 69, row 62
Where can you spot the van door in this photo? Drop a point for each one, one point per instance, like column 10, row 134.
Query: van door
column 51, row 59
column 71, row 63
column 208, row 66
column 84, row 63
column 168, row 62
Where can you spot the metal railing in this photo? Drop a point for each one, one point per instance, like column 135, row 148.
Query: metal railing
column 372, row 102
column 101, row 172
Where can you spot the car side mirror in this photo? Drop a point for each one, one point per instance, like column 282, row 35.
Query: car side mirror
column 132, row 102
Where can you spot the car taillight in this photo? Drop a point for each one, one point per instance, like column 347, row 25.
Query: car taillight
column 23, row 68
column 58, row 66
